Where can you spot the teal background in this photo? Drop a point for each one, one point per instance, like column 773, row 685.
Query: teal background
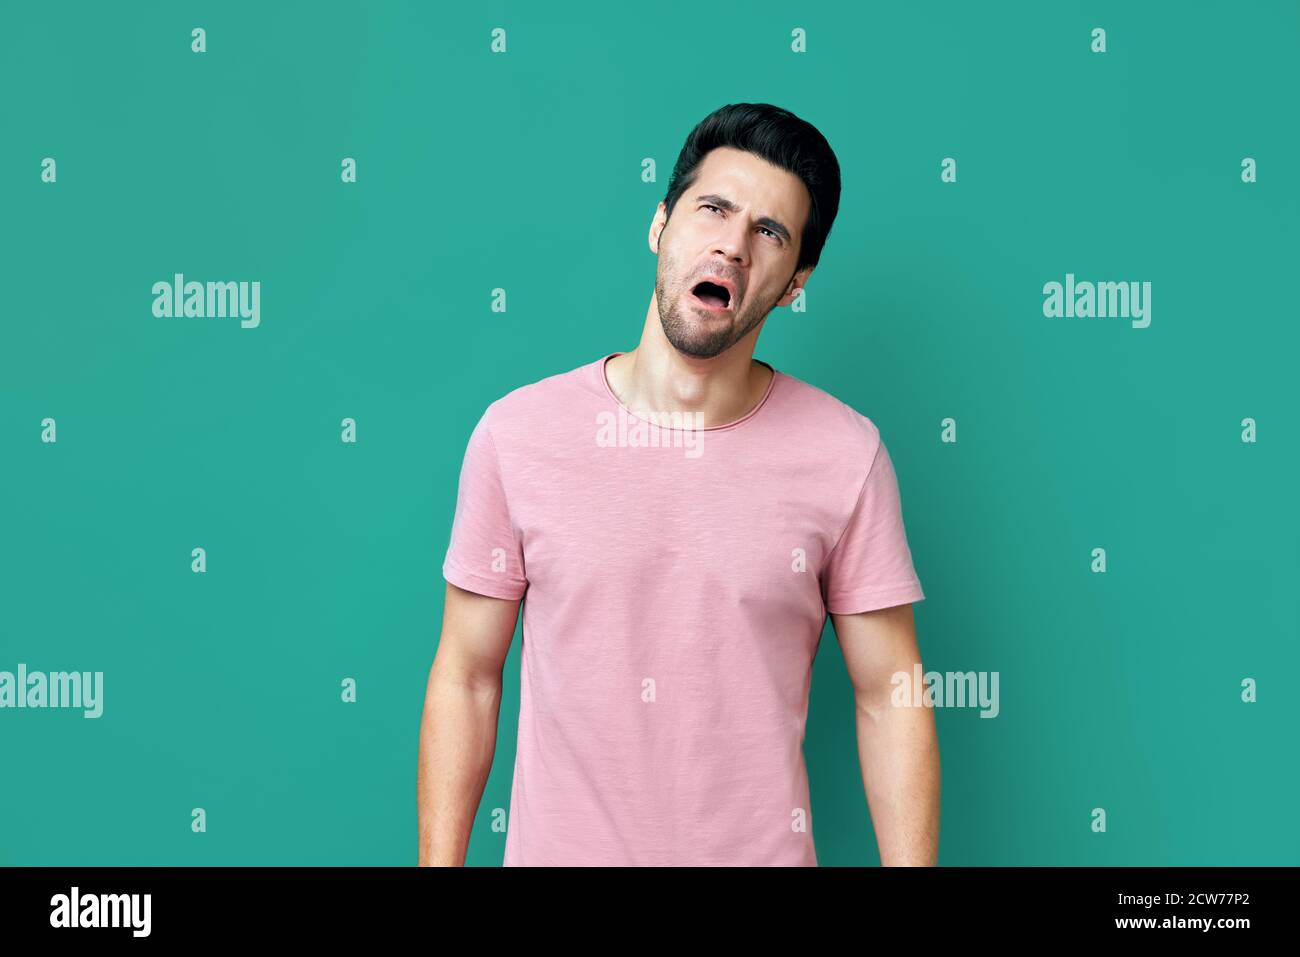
column 1118, row 690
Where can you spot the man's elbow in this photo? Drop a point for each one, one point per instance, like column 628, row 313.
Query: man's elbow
column 898, row 684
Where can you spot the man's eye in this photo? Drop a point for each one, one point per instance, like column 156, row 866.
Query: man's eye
column 764, row 228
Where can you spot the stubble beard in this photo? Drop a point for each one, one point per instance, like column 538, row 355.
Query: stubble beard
column 687, row 331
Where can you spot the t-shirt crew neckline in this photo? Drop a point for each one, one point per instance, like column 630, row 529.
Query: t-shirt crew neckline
column 767, row 394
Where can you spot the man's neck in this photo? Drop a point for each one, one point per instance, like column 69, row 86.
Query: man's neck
column 714, row 391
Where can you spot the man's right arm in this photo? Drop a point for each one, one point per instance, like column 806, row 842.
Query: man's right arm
column 458, row 729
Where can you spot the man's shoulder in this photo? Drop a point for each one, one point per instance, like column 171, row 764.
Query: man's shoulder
column 557, row 391
column 828, row 417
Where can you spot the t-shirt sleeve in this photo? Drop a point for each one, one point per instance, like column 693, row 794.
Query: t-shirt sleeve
column 871, row 565
column 484, row 554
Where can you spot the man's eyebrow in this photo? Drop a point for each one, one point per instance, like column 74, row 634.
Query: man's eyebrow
column 723, row 203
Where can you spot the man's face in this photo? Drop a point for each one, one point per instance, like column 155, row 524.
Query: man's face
column 739, row 222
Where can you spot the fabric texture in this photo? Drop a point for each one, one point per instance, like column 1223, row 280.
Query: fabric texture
column 675, row 588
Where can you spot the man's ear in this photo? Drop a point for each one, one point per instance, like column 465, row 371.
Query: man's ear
column 797, row 282
column 657, row 227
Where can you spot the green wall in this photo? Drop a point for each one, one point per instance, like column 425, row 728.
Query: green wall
column 522, row 170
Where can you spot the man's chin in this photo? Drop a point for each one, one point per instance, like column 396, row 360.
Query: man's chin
column 698, row 333
column 699, row 348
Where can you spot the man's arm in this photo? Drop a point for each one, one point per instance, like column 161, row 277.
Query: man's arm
column 897, row 746
column 459, row 727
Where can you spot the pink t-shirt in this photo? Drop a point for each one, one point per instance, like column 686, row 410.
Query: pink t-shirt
column 676, row 583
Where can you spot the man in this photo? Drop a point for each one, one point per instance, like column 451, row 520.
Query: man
column 681, row 519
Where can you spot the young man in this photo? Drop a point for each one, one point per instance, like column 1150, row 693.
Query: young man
column 682, row 518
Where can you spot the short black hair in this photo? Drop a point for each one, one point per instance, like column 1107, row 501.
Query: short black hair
column 782, row 139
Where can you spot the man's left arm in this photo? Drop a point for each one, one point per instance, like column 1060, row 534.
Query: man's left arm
column 897, row 746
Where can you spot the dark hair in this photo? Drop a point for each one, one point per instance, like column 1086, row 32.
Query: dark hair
column 782, row 139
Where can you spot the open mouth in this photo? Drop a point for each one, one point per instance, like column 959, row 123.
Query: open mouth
column 712, row 295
